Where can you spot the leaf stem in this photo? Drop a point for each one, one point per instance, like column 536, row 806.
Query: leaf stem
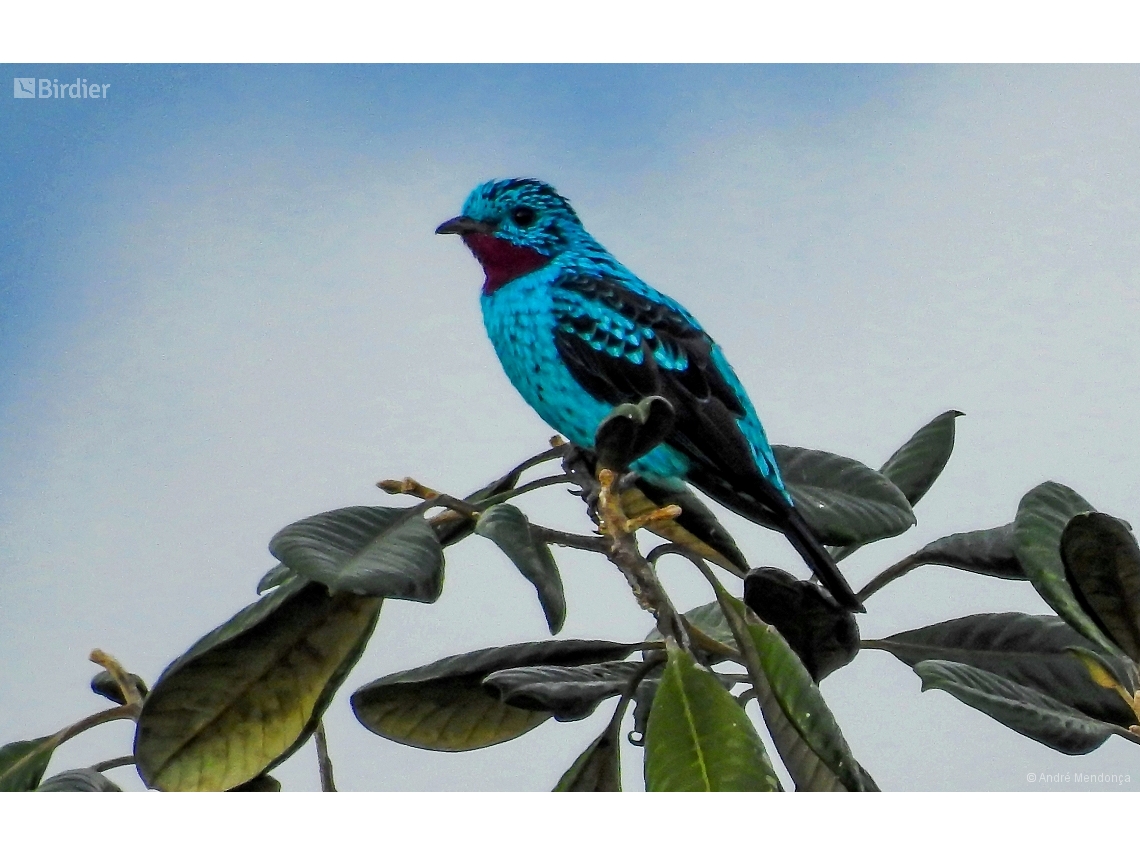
column 895, row 571
column 661, row 550
column 537, row 484
column 130, row 711
column 114, row 763
column 320, row 739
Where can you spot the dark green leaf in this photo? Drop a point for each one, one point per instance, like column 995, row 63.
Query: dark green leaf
column 1031, row 650
column 104, row 684
column 802, row 727
column 453, row 530
column 569, row 692
column 598, row 768
column 1041, row 518
column 698, row 738
column 260, row 784
column 279, row 575
column 248, row 694
column 842, row 500
column 989, row 552
column 823, row 634
column 697, row 528
column 507, row 527
column 631, row 430
column 709, row 619
column 22, row 764
column 444, row 706
column 373, row 552
column 1102, row 567
column 79, row 781
column 916, row 465
column 1018, row 707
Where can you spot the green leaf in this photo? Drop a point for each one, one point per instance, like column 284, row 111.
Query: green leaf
column 915, row 466
column 444, row 706
column 822, row 633
column 451, row 531
column 507, row 527
column 79, row 781
column 569, row 692
column 990, row 552
column 22, row 764
column 104, row 684
column 918, row 463
column 842, row 500
column 709, row 619
column 373, row 552
column 249, row 693
column 698, row 738
column 1041, row 519
column 260, row 784
column 802, row 727
column 632, row 430
column 276, row 577
column 598, row 768
column 1018, row 707
column 1102, row 567
column 1030, row 650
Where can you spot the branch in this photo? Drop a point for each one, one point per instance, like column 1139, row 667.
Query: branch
column 639, row 573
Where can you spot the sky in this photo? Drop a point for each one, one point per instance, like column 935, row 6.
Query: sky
column 223, row 308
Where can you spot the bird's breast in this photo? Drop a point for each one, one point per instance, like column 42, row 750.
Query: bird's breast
column 519, row 318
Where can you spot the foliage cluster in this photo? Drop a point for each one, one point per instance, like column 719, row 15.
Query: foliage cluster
column 249, row 693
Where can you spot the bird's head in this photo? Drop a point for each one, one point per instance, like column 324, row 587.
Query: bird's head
column 514, row 227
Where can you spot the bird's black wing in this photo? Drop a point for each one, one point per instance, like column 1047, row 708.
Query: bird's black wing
column 622, row 346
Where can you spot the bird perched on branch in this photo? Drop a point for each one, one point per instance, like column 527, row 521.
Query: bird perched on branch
column 578, row 333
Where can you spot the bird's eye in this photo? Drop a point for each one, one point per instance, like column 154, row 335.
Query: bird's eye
column 523, row 216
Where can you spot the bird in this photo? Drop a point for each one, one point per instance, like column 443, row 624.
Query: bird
column 578, row 333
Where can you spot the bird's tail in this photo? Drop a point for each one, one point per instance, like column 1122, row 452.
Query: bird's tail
column 754, row 498
column 819, row 560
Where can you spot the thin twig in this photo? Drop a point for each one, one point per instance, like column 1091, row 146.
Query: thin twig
column 574, row 541
column 125, row 760
column 412, row 487
column 895, row 571
column 323, row 761
column 553, row 453
column 537, row 484
column 660, row 551
column 102, row 717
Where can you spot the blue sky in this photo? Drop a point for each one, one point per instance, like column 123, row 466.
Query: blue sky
column 63, row 156
column 222, row 308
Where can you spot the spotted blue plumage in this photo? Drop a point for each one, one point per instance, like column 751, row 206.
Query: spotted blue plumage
column 577, row 333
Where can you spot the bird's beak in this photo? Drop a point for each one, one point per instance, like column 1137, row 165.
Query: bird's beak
column 464, row 226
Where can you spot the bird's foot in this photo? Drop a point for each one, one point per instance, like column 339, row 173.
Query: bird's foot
column 669, row 512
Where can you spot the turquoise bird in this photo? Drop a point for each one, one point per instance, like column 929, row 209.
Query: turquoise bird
column 578, row 333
